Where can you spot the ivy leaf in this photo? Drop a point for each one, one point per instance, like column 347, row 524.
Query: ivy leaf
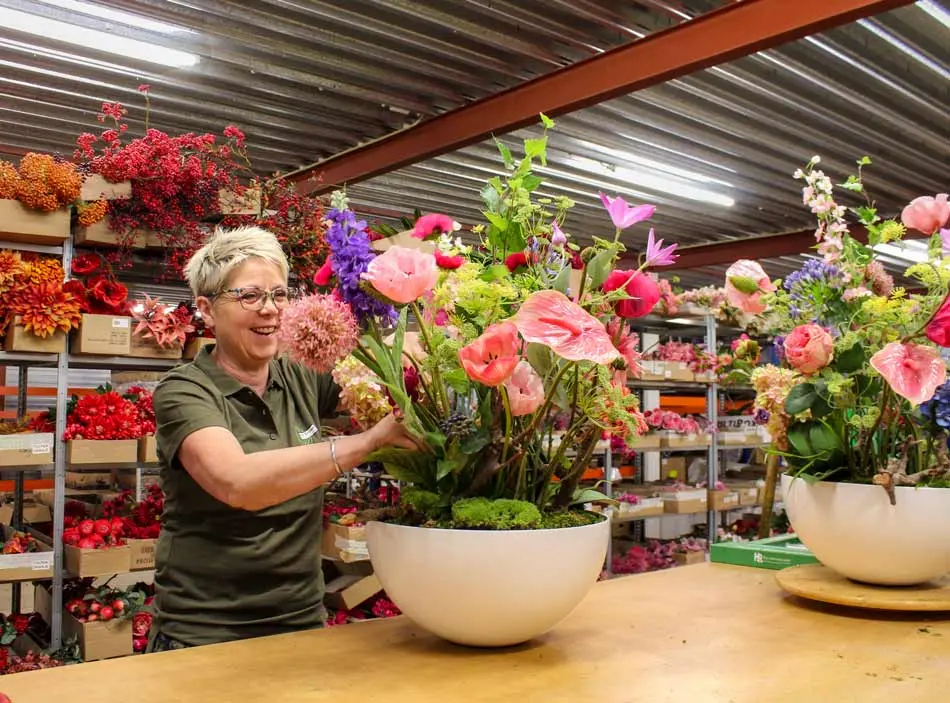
column 800, row 399
column 864, row 161
column 867, row 215
column 853, row 184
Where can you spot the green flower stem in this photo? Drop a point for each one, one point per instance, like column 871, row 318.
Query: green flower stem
column 866, row 454
column 504, row 399
column 545, row 406
column 436, row 374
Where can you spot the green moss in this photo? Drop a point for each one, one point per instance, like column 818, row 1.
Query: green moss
column 553, row 521
column 503, row 514
column 424, row 503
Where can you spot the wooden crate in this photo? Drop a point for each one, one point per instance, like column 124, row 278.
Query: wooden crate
column 19, row 223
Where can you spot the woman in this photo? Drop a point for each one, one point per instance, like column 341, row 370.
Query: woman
column 242, row 461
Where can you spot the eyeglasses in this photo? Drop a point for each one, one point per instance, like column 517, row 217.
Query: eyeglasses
column 254, row 299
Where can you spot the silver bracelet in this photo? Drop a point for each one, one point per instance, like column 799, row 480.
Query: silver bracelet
column 336, row 464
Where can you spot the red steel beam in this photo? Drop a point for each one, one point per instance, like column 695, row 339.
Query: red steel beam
column 729, row 33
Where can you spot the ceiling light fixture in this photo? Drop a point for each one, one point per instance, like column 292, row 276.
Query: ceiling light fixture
column 94, row 39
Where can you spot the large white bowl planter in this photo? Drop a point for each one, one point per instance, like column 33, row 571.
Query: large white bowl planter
column 853, row 529
column 487, row 588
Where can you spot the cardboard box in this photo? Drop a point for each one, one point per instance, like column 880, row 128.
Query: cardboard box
column 748, row 494
column 19, row 340
column 723, row 500
column 19, row 223
column 347, row 591
column 143, row 348
column 99, row 640
column 148, row 450
column 32, row 566
column 246, row 203
column 647, row 442
column 142, row 554
column 97, row 562
column 26, row 449
column 688, row 558
column 647, row 507
column 195, row 346
column 95, row 187
column 666, row 371
column 673, row 440
column 686, row 501
column 406, row 240
column 82, row 480
column 33, row 514
column 81, row 452
column 125, row 479
column 344, row 543
column 739, row 439
column 100, row 234
column 770, row 553
column 108, row 335
column 673, row 469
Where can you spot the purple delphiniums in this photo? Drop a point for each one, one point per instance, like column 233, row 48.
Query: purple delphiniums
column 814, row 271
column 351, row 252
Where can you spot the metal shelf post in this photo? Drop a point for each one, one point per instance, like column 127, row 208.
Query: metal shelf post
column 712, row 411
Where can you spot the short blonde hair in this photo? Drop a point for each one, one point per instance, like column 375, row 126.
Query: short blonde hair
column 226, row 249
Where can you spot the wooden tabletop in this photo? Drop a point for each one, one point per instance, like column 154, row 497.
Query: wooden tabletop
column 703, row 634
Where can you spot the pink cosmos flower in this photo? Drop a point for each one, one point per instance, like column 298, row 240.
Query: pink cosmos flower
column 402, row 275
column 746, row 281
column 643, row 291
column 433, row 225
column 913, row 371
column 927, row 214
column 323, row 276
column 549, row 317
column 657, row 254
column 624, row 215
column 809, row 348
column 491, row 358
column 525, row 390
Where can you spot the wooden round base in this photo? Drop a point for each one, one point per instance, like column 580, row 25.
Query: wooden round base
column 819, row 583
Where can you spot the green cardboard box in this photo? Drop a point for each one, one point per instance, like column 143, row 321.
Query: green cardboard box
column 770, row 553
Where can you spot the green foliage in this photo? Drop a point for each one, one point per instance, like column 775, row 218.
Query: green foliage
column 425, row 503
column 502, row 514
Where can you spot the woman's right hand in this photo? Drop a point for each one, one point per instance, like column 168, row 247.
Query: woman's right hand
column 390, row 432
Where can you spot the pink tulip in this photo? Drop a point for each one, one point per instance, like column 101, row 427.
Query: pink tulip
column 491, row 358
column 809, row 348
column 913, row 371
column 927, row 214
column 402, row 275
column 624, row 215
column 525, row 390
column 433, row 225
column 549, row 317
column 746, row 281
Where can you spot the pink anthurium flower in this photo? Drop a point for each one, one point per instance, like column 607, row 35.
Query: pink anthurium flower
column 927, row 214
column 551, row 318
column 624, row 215
column 913, row 371
column 525, row 390
column 491, row 358
column 746, row 281
column 402, row 275
column 433, row 225
column 657, row 254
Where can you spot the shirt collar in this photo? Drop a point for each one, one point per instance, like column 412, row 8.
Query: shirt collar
column 226, row 383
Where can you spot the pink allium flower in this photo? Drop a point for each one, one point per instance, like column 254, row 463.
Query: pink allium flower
column 927, row 214
column 525, row 390
column 913, row 371
column 881, row 282
column 433, row 225
column 809, row 348
column 549, row 317
column 491, row 358
column 624, row 215
column 317, row 331
column 402, row 275
column 746, row 281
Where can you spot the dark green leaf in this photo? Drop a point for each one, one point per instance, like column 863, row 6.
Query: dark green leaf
column 800, row 399
column 531, row 182
column 491, row 197
column 799, row 441
column 475, row 442
column 851, row 360
column 434, row 439
column 563, row 280
column 540, row 357
column 407, row 465
column 599, row 267
column 513, row 238
column 589, row 495
column 499, row 222
column 448, row 466
column 823, row 439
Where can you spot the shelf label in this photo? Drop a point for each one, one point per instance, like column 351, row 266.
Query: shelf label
column 42, row 564
column 120, row 322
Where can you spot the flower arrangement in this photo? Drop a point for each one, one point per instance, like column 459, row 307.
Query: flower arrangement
column 42, row 182
column 96, row 286
column 175, row 180
column 139, row 520
column 86, row 533
column 20, row 543
column 856, row 397
column 103, row 415
column 668, row 421
column 510, row 338
column 106, row 603
column 32, row 290
column 168, row 326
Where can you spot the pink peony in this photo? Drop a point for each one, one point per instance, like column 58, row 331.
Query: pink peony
column 433, row 225
column 746, row 281
column 913, row 371
column 551, row 318
column 317, row 331
column 402, row 275
column 525, row 390
column 642, row 289
column 809, row 348
column 491, row 358
column 927, row 214
column 938, row 329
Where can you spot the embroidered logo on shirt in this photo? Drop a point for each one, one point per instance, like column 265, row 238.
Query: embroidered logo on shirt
column 307, row 435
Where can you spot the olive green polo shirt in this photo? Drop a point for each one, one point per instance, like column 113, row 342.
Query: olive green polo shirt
column 224, row 573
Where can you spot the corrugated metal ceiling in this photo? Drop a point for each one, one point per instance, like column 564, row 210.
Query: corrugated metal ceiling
column 307, row 79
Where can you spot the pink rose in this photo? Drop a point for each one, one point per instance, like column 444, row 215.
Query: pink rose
column 927, row 214
column 809, row 348
column 746, row 281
